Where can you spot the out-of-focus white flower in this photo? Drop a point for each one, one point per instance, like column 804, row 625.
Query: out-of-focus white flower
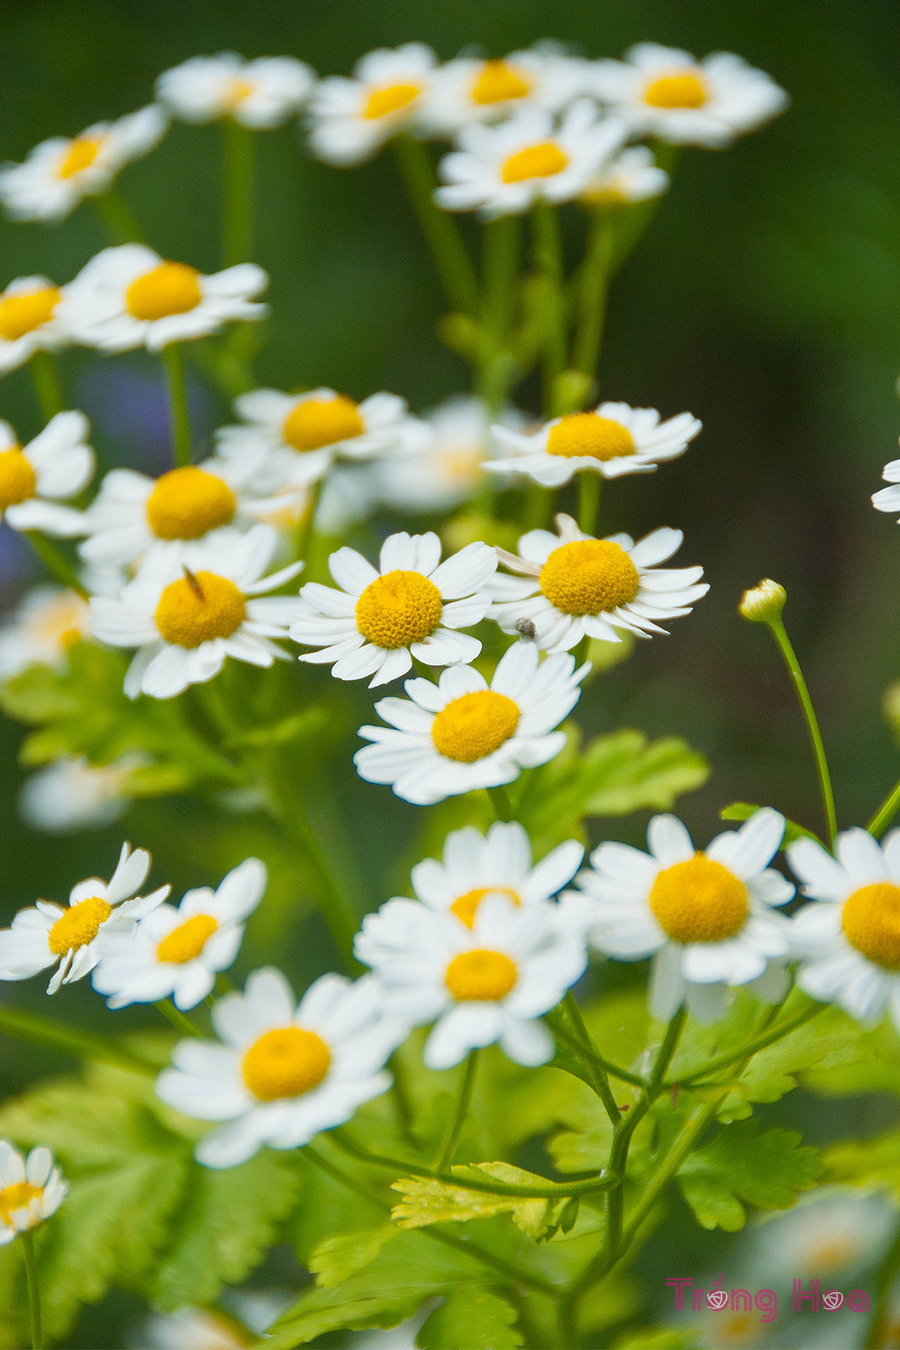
column 885, row 499
column 351, row 119
column 129, row 296
column 835, row 1232
column 28, row 321
column 471, row 89
column 72, row 794
column 53, row 467
column 191, row 1329
column 46, row 623
column 58, row 173
column 633, row 176
column 31, row 1189
column 259, row 94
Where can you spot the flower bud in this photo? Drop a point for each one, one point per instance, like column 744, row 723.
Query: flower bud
column 763, row 603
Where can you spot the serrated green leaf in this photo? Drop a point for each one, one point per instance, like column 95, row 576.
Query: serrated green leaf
column 742, row 1166
column 472, row 1320
column 429, row 1201
column 744, row 810
column 337, row 1258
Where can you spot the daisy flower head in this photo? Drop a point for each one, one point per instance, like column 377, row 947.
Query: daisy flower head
column 503, row 170
column 888, row 498
column 259, row 94
column 31, row 1189
column 666, row 92
column 486, row 981
column 350, row 119
column 293, row 439
column 177, row 952
column 473, row 89
column 282, row 1072
column 410, row 606
column 705, row 916
column 46, row 623
column 72, row 794
column 573, row 585
column 60, row 172
column 28, row 321
column 37, row 477
column 46, row 934
column 477, row 865
column 613, row 440
column 461, row 733
column 186, row 614
column 633, row 176
column 850, row 938
column 128, row 297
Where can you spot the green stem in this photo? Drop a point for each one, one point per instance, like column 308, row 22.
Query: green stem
column 90, row 1046
column 885, row 813
column 46, row 384
column 403, row 1100
column 500, row 802
column 451, row 258
column 594, row 288
column 501, row 266
column 548, row 256
column 118, row 217
column 614, row 1070
column 237, row 220
column 56, row 562
column 173, row 363
column 463, row 1102
column 177, row 1018
column 538, row 507
column 667, row 1049
column 34, row 1296
column 751, row 1047
column 682, row 1147
column 790, row 659
column 887, row 1273
column 589, row 485
column 598, row 1073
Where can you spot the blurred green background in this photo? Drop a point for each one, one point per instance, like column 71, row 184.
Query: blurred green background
column 765, row 298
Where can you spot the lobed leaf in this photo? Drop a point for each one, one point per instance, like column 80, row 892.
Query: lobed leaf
column 429, row 1201
column 472, row 1320
column 742, row 1166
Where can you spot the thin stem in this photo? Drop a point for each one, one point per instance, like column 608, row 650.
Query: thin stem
column 548, row 256
column 451, row 258
column 403, row 1100
column 538, row 506
column 614, row 1070
column 34, row 1295
column 751, row 1047
column 885, row 813
column 501, row 266
column 598, row 1073
column 46, row 384
column 56, row 562
column 682, row 1147
column 118, row 217
column 87, row 1045
column 238, row 201
column 667, row 1049
column 589, row 485
column 463, row 1102
column 173, row 363
column 177, row 1018
column 887, row 1272
column 790, row 659
column 500, row 802
column 595, row 275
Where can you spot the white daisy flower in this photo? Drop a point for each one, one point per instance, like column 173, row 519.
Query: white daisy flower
column 187, row 613
column 477, row 865
column 60, row 172
column 283, row 1072
column 483, row 982
column 28, row 321
column 47, row 935
column 259, row 94
column 293, row 439
column 177, row 953
column 199, row 1328
column 46, row 623
column 53, row 467
column 885, row 499
column 576, row 586
column 665, row 92
column 835, row 1231
column 633, row 176
column 31, row 1189
column 129, row 297
column 462, row 734
column 504, row 170
column 704, row 915
column 71, row 794
column 471, row 89
column 412, row 606
column 850, row 939
column 613, row 440
column 350, row 120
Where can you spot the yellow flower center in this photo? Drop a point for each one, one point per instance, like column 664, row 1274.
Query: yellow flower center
column 187, row 940
column 390, row 98
column 833, row 1254
column 82, row 152
column 79, row 925
column 60, row 620
column 17, row 1196
column 535, row 161
column 497, row 82
column 474, row 725
column 461, row 464
column 17, row 478
column 398, row 608
column 871, row 923
column 610, row 193
column 480, row 976
column 238, row 90
column 465, row 907
column 699, row 901
column 589, row 434
column 589, row 576
column 21, row 314
column 684, row 90
column 285, row 1063
column 322, row 421
column 171, row 288
column 199, row 608
column 187, row 502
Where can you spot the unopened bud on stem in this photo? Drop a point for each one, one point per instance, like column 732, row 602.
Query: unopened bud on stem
column 763, row 603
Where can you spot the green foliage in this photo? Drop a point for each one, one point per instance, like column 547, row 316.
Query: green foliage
column 744, row 810
column 875, row 1069
column 872, row 1162
column 339, row 1257
column 660, row 1338
column 743, row 1165
column 473, row 1320
column 426, row 1201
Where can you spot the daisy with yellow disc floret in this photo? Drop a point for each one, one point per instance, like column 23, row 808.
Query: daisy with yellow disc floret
column 60, row 172
column 177, row 952
column 48, row 621
column 130, row 297
column 36, row 478
column 633, row 176
column 613, row 440
column 46, row 935
column 28, row 321
column 31, row 1189
column 258, row 94
column 282, row 1072
column 188, row 615
column 412, row 606
column 576, row 586
column 462, row 733
column 472, row 89
column 705, row 916
column 849, row 940
column 489, row 980
column 350, row 119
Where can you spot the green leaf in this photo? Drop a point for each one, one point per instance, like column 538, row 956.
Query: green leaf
column 339, row 1257
column 473, row 1320
column 429, row 1201
column 871, row 1162
column 743, row 1165
column 875, row 1068
column 744, row 810
column 661, row 1338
